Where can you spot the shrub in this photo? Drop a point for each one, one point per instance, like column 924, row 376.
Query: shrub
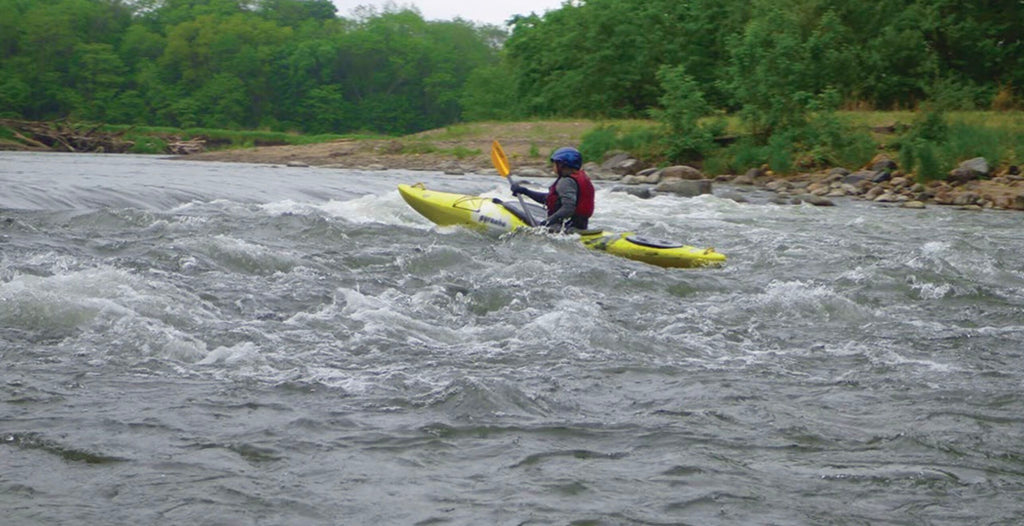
column 148, row 144
column 921, row 156
column 598, row 141
column 688, row 138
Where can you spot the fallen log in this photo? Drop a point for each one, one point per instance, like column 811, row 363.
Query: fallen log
column 189, row 147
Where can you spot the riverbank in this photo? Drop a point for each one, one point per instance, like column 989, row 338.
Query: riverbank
column 465, row 148
column 456, row 152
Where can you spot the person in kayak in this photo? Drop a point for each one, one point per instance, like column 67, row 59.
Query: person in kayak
column 570, row 199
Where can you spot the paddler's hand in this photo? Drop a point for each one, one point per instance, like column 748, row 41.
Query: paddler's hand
column 517, row 189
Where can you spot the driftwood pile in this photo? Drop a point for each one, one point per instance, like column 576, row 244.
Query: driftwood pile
column 186, row 147
column 63, row 137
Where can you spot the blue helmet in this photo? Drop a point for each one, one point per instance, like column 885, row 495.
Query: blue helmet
column 567, row 156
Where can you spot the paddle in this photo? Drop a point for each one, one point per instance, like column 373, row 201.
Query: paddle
column 500, row 161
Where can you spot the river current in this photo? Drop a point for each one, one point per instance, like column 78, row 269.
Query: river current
column 230, row 344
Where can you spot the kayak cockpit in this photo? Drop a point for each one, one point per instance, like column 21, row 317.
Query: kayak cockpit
column 537, row 212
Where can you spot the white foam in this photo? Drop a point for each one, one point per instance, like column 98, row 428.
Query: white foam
column 242, row 353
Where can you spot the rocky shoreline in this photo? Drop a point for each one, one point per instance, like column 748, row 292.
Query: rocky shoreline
column 974, row 185
column 971, row 186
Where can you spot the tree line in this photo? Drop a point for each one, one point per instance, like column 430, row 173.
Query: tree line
column 268, row 64
column 297, row 65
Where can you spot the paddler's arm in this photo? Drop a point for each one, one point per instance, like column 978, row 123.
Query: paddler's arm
column 540, row 197
column 568, row 193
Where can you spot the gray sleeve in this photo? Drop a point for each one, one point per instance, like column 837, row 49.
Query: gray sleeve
column 568, row 193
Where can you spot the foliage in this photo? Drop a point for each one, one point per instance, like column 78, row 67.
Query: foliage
column 643, row 141
column 282, row 64
column 935, row 144
column 295, row 65
column 687, row 137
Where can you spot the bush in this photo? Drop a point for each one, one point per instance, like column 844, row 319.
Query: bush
column 645, row 142
column 688, row 138
column 921, row 157
column 598, row 141
column 933, row 146
column 148, row 144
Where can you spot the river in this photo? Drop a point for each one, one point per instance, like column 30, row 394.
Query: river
column 230, row 344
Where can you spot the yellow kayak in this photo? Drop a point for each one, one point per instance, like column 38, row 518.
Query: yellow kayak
column 495, row 216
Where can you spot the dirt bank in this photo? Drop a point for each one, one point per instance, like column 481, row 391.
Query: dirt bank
column 466, row 146
column 472, row 155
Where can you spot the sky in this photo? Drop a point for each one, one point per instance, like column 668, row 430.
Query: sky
column 481, row 11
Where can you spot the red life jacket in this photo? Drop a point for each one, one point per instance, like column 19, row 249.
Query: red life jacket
column 584, row 197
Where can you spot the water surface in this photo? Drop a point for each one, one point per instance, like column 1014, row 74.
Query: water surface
column 215, row 343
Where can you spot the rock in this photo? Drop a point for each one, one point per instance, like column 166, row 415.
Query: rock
column 883, row 163
column 913, row 204
column 754, row 173
column 643, row 192
column 815, row 200
column 743, row 180
column 978, row 164
column 881, row 177
column 899, row 182
column 296, row 164
column 970, row 170
column 860, row 176
column 874, row 192
column 966, row 199
column 681, row 172
column 1018, row 202
column 641, row 179
column 528, row 171
column 622, row 164
column 684, row 187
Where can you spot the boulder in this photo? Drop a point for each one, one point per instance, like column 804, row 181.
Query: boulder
column 815, row 200
column 882, row 176
column 743, row 180
column 643, row 192
column 685, row 187
column 754, row 173
column 970, row 170
column 622, row 164
column 681, row 172
column 860, row 176
column 883, row 163
column 641, row 179
column 528, row 171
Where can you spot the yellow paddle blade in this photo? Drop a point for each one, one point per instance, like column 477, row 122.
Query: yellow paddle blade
column 499, row 159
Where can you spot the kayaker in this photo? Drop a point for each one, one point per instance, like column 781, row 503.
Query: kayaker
column 570, row 199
